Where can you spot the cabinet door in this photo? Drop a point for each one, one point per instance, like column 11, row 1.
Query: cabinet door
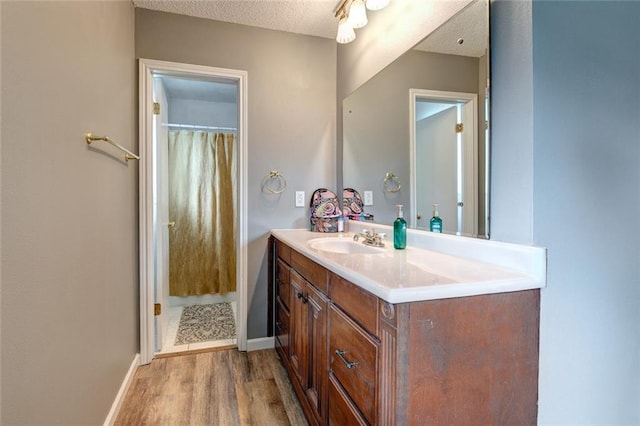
column 282, row 330
column 282, row 282
column 316, row 385
column 298, row 328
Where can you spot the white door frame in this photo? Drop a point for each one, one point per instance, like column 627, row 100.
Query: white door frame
column 147, row 69
column 470, row 194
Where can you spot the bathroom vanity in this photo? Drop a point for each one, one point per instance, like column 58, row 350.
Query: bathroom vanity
column 433, row 334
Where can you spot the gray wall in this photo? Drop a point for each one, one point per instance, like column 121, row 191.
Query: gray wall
column 511, row 122
column 586, row 208
column 69, row 212
column 203, row 113
column 376, row 117
column 292, row 114
column 565, row 176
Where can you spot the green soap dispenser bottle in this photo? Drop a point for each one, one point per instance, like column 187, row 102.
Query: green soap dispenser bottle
column 400, row 230
column 435, row 224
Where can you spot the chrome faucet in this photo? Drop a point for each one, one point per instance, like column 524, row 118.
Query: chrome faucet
column 371, row 238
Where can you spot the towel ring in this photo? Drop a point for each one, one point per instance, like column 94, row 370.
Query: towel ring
column 391, row 183
column 269, row 179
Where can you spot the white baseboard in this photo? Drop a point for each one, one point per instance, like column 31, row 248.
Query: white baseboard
column 259, row 344
column 122, row 392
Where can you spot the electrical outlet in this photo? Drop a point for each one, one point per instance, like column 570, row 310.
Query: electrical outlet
column 368, row 198
column 299, row 198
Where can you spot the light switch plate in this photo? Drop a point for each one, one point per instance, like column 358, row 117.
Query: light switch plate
column 368, row 198
column 299, row 198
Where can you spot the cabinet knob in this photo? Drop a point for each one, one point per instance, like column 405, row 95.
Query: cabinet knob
column 303, row 297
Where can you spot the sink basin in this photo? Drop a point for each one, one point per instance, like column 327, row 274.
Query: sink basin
column 343, row 246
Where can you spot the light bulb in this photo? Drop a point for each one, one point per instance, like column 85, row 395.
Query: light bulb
column 358, row 14
column 377, row 4
column 345, row 31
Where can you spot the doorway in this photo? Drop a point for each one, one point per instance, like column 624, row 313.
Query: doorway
column 192, row 207
column 443, row 146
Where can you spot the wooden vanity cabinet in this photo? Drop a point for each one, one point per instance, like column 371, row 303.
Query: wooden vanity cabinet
column 342, row 410
column 305, row 358
column 354, row 362
column 282, row 305
column 354, row 348
column 467, row 360
column 315, row 385
column 356, row 359
column 300, row 321
column 282, row 334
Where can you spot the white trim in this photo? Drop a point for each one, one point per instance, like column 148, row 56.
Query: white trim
column 147, row 69
column 260, row 344
column 122, row 392
column 145, row 197
column 472, row 98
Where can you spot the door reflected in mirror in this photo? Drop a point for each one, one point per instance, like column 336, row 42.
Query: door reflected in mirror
column 443, row 148
column 387, row 131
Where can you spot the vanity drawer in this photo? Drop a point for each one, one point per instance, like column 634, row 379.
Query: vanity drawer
column 353, row 361
column 361, row 305
column 342, row 411
column 283, row 251
column 313, row 272
column 283, row 282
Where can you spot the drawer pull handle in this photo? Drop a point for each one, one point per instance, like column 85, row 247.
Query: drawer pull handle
column 303, row 297
column 347, row 363
column 278, row 325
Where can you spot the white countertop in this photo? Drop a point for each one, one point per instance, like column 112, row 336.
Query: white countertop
column 464, row 266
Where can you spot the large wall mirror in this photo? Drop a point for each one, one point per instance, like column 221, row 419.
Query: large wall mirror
column 417, row 133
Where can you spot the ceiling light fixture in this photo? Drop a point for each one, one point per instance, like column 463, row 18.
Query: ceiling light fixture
column 358, row 14
column 352, row 14
column 345, row 31
column 377, row 4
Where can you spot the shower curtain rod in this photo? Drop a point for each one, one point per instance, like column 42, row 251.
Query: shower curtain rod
column 195, row 126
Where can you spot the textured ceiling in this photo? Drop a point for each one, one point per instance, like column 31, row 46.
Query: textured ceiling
column 471, row 25
column 316, row 17
column 311, row 17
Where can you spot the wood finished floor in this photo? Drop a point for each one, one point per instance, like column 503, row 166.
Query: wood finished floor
column 223, row 387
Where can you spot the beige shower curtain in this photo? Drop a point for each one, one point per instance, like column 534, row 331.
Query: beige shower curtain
column 202, row 192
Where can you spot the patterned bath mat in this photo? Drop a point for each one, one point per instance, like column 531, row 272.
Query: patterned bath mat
column 204, row 323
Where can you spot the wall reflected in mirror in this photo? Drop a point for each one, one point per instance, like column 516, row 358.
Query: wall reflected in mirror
column 424, row 119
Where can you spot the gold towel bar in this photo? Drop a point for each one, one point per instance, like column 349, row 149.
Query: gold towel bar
column 128, row 155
